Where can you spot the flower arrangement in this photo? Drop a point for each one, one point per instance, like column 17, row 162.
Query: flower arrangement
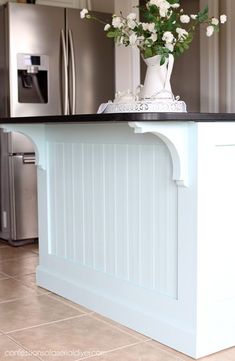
column 166, row 29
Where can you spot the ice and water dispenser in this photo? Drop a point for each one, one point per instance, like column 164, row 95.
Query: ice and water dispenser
column 32, row 78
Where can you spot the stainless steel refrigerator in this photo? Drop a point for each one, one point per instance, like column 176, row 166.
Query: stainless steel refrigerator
column 52, row 61
column 18, row 183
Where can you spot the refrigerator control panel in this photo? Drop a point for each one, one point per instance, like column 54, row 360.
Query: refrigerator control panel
column 32, row 78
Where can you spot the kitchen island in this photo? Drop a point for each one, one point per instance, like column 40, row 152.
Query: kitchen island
column 136, row 220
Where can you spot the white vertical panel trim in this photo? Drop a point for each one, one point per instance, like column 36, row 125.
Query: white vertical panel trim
column 139, row 224
column 92, row 205
column 127, row 60
column 229, row 65
column 104, row 210
column 127, row 213
column 83, row 207
column 154, row 218
column 209, row 64
column 115, row 209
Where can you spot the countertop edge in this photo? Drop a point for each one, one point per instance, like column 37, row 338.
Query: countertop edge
column 121, row 117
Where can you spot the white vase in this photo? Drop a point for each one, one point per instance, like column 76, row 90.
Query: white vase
column 157, row 79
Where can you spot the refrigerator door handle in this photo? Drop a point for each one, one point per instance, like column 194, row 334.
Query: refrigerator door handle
column 65, row 61
column 73, row 72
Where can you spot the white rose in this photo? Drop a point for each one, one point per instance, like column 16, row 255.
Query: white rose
column 156, row 2
column 131, row 24
column 182, row 33
column 209, row 30
column 175, row 6
column 184, row 19
column 168, row 37
column 151, row 28
column 83, row 13
column 117, row 22
column 169, row 46
column 163, row 9
column 194, row 17
column 131, row 16
column 133, row 39
column 107, row 27
column 145, row 26
column 153, row 37
column 215, row 21
column 223, row 19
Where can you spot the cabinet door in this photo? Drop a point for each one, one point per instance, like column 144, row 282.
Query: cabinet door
column 94, row 61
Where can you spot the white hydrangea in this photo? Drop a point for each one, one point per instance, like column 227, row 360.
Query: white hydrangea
column 83, row 13
column 168, row 37
column 194, row 17
column 223, row 19
column 184, row 19
column 210, row 30
column 215, row 21
column 117, row 22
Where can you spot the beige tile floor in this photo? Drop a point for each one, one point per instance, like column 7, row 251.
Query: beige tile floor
column 36, row 324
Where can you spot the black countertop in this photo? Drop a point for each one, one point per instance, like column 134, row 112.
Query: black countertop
column 122, row 117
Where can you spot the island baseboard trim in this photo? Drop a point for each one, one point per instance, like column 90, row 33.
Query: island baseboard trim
column 158, row 329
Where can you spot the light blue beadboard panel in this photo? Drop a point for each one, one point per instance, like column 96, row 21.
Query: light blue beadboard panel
column 110, row 209
column 171, row 267
column 146, row 214
column 52, row 230
column 69, row 200
column 121, row 224
column 57, row 185
column 98, row 208
column 120, row 211
column 78, row 201
column 88, row 204
column 134, row 214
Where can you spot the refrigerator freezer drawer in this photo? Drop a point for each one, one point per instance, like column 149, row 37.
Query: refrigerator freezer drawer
column 23, row 198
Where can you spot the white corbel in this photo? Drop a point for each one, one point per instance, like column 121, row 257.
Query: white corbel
column 176, row 137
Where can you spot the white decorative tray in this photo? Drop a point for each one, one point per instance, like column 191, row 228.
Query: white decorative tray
column 156, row 105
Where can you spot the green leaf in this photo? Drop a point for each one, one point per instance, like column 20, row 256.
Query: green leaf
column 111, row 34
column 163, row 59
column 203, row 15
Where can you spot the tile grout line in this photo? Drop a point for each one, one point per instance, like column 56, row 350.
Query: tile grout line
column 42, row 324
column 115, row 349
column 50, row 295
column 120, row 329
column 23, row 347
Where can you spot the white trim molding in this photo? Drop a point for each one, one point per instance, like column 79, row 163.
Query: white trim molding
column 209, row 64
column 127, row 58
